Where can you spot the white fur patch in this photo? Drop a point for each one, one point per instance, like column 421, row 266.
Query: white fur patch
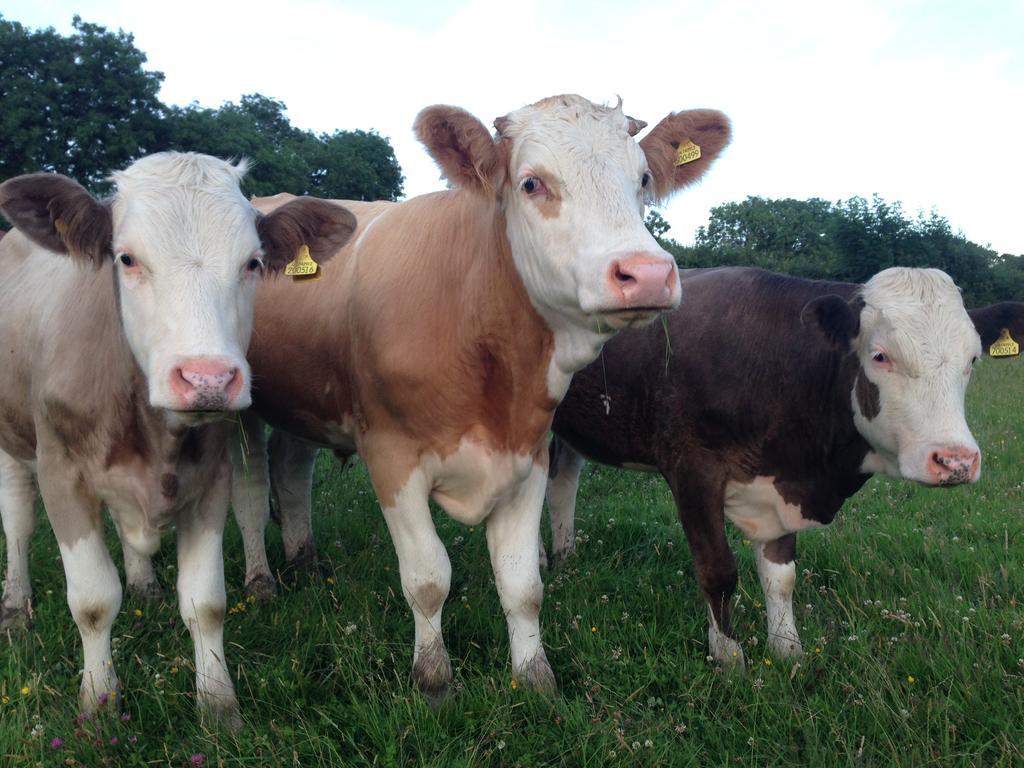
column 757, row 509
column 472, row 480
column 778, row 581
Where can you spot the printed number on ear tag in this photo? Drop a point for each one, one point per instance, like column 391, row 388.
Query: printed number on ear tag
column 303, row 268
column 688, row 152
column 1004, row 346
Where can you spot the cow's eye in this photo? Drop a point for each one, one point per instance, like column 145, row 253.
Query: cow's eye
column 532, row 185
column 974, row 360
column 880, row 357
column 254, row 264
column 645, row 181
column 127, row 259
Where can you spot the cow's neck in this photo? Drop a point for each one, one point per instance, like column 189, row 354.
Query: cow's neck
column 577, row 341
column 845, row 448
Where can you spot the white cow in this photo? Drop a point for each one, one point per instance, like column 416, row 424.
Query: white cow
column 124, row 325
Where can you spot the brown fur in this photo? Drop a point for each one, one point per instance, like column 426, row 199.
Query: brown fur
column 304, row 221
column 989, row 322
column 58, row 214
column 707, row 128
column 435, row 364
column 868, row 397
column 462, row 146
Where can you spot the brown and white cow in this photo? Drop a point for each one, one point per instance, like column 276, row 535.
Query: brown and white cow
column 441, row 343
column 773, row 401
column 124, row 325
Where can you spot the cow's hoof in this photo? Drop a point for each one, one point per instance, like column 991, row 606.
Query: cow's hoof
column 559, row 557
column 262, row 587
column 221, row 712
column 149, row 591
column 728, row 655
column 537, row 674
column 783, row 647
column 15, row 619
column 432, row 673
column 304, row 558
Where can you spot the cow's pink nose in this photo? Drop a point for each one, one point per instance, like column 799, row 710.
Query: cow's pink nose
column 953, row 466
column 644, row 281
column 206, row 384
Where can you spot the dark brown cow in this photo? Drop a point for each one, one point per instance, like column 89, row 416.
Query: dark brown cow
column 774, row 401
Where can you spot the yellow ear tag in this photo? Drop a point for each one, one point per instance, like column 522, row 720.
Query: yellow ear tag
column 687, row 153
column 61, row 226
column 303, row 267
column 1004, row 346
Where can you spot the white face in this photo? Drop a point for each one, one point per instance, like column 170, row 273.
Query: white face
column 187, row 258
column 917, row 346
column 574, row 207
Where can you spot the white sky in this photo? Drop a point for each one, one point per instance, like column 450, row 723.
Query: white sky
column 920, row 101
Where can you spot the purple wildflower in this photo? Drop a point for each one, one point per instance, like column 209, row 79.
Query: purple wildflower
column 56, row 743
column 83, row 717
column 103, row 698
column 133, row 740
column 113, row 741
column 198, row 759
column 125, row 717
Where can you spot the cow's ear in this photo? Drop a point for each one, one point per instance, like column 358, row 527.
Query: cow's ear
column 990, row 321
column 681, row 148
column 468, row 155
column 322, row 225
column 57, row 213
column 836, row 320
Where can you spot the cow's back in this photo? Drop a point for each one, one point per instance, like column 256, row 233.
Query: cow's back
column 728, row 372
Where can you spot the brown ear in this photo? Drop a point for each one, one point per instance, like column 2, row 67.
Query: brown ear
column 991, row 320
column 57, row 213
column 462, row 146
column 322, row 225
column 706, row 128
column 836, row 320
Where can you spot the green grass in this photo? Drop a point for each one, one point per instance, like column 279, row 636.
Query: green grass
column 908, row 583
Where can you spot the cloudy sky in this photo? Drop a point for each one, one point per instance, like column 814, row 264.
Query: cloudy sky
column 920, row 101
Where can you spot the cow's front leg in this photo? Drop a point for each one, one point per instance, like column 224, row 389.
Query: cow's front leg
column 201, row 597
column 17, row 498
column 700, row 500
column 564, row 481
column 291, row 478
column 250, row 500
column 426, row 576
column 93, row 585
column 776, row 567
column 512, row 532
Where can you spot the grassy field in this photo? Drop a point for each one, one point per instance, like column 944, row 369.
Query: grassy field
column 909, row 607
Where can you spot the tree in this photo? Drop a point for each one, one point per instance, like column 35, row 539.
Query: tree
column 356, row 165
column 81, row 105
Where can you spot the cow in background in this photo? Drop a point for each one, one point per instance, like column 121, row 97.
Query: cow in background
column 770, row 402
column 993, row 320
column 124, row 325
column 444, row 335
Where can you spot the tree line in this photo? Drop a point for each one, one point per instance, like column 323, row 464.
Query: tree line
column 849, row 240
column 84, row 105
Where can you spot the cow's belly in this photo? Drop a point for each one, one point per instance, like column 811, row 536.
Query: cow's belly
column 759, row 510
column 139, row 496
column 470, row 482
